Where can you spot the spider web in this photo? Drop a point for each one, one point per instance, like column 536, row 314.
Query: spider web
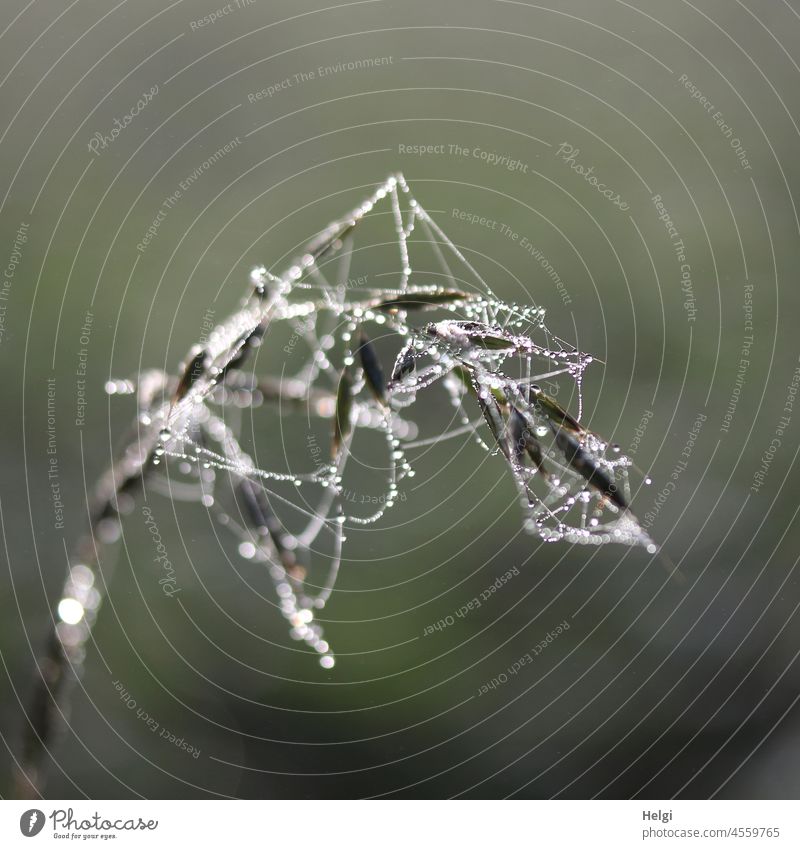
column 448, row 332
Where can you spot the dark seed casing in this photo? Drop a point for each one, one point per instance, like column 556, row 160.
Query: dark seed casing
column 494, row 418
column 342, row 422
column 580, row 460
column 193, row 371
column 524, row 442
column 421, row 300
column 552, row 410
column 373, row 373
column 404, row 364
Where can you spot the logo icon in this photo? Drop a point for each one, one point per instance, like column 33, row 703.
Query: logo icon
column 31, row 822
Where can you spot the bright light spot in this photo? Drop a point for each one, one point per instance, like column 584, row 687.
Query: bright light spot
column 80, row 574
column 247, row 550
column 327, row 662
column 70, row 611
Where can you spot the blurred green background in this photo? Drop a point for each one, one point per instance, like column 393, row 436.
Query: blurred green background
column 657, row 688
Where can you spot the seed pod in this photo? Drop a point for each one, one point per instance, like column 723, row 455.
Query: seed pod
column 493, row 417
column 491, row 341
column 421, row 300
column 551, row 409
column 342, row 421
column 264, row 520
column 244, row 346
column 193, row 370
column 582, row 462
column 463, row 334
column 404, row 364
column 463, row 374
column 523, row 441
column 373, row 372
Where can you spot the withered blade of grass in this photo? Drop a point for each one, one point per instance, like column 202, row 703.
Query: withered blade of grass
column 373, row 373
column 264, row 520
column 342, row 420
column 552, row 410
column 581, row 461
column 404, row 364
column 192, row 372
column 524, row 442
column 421, row 300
